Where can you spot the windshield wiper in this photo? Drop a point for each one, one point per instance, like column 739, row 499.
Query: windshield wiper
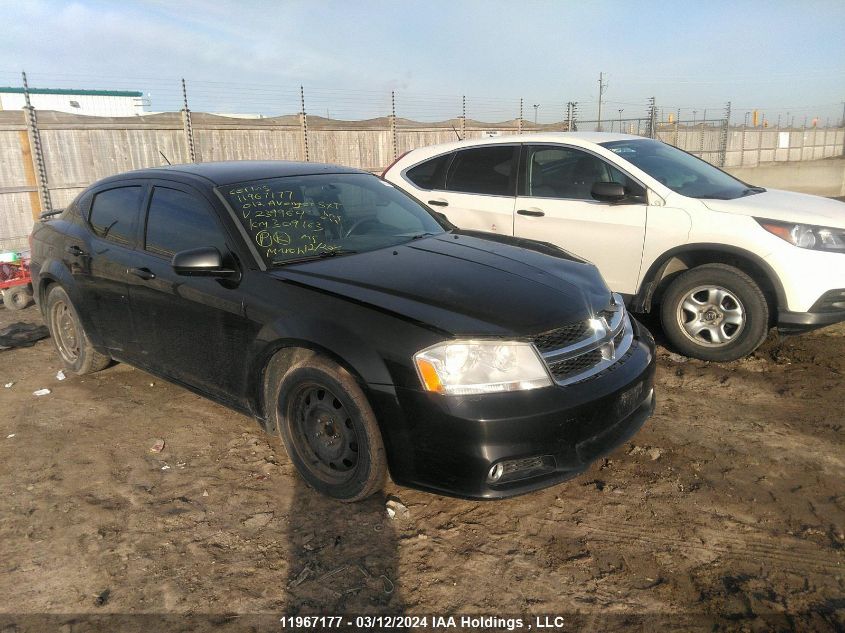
column 750, row 191
column 333, row 253
column 419, row 236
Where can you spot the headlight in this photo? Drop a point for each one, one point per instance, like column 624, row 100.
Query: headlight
column 471, row 367
column 817, row 238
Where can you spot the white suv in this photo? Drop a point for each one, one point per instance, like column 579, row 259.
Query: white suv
column 724, row 260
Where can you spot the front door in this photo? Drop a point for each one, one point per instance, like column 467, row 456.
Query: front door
column 555, row 205
column 192, row 328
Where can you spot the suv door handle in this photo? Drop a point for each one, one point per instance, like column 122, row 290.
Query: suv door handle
column 534, row 213
column 75, row 251
column 144, row 273
column 439, row 202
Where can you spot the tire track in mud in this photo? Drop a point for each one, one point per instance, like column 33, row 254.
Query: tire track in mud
column 800, row 557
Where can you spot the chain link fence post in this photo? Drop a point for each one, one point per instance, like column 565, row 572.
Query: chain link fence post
column 392, row 120
column 303, row 125
column 723, row 137
column 36, row 155
column 651, row 130
column 187, row 126
column 463, row 117
column 519, row 121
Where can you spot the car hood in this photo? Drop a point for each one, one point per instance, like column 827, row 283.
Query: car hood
column 464, row 284
column 787, row 206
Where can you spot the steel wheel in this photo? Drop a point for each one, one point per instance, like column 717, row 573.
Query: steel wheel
column 324, row 433
column 711, row 316
column 65, row 332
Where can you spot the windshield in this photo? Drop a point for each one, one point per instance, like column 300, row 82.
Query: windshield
column 683, row 173
column 297, row 218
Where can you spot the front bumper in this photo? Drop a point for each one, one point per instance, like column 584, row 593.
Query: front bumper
column 827, row 310
column 449, row 445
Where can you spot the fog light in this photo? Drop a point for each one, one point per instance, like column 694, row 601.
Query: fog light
column 515, row 469
column 496, row 473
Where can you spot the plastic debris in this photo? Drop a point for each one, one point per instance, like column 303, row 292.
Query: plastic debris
column 10, row 436
column 205, row 493
column 60, row 375
column 157, row 446
column 9, row 385
column 395, row 507
column 22, row 335
column 165, row 467
column 42, row 392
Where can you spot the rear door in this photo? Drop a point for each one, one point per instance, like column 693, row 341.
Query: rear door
column 555, row 205
column 475, row 187
column 191, row 328
column 100, row 263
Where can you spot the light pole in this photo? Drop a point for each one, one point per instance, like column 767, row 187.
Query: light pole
column 620, row 120
column 536, row 107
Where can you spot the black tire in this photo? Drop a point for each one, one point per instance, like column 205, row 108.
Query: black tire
column 328, row 428
column 17, row 297
column 69, row 337
column 732, row 317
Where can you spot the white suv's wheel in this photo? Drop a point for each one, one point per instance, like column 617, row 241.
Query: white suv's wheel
column 715, row 312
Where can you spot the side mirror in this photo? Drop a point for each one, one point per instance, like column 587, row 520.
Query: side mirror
column 608, row 192
column 200, row 262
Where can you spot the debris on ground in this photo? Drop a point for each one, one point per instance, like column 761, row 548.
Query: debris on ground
column 10, row 436
column 157, row 446
column 9, row 385
column 22, row 335
column 165, row 467
column 60, row 375
column 102, row 598
column 653, row 452
column 301, row 577
column 42, row 392
column 677, row 358
column 395, row 507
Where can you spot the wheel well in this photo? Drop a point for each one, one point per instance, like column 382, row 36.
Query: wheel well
column 662, row 274
column 282, row 357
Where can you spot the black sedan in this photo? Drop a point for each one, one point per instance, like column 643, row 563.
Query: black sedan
column 351, row 319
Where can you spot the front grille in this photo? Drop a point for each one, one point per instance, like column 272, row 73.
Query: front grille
column 580, row 351
column 562, row 336
column 564, row 369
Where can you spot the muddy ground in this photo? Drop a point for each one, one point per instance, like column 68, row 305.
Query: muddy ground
column 729, row 504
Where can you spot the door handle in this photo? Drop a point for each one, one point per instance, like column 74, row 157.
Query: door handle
column 534, row 213
column 144, row 273
column 439, row 202
column 75, row 251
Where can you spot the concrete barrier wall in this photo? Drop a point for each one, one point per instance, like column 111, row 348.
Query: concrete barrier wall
column 819, row 177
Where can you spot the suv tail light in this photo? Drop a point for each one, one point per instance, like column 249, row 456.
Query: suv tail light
column 398, row 158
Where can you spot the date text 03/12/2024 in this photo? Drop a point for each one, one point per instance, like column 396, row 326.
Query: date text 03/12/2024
column 305, row 622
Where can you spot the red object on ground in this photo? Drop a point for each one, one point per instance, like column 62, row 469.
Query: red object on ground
column 15, row 274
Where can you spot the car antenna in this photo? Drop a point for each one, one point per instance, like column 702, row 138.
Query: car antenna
column 164, row 157
column 456, row 133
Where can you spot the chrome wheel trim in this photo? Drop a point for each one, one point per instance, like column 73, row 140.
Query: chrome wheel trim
column 711, row 316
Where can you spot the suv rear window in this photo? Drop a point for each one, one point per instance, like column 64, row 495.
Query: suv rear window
column 114, row 212
column 485, row 170
column 431, row 174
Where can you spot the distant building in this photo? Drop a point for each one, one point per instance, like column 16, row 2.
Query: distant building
column 90, row 102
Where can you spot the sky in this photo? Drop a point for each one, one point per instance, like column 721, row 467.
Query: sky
column 782, row 57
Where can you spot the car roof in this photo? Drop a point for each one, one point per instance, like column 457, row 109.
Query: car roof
column 575, row 138
column 234, row 171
